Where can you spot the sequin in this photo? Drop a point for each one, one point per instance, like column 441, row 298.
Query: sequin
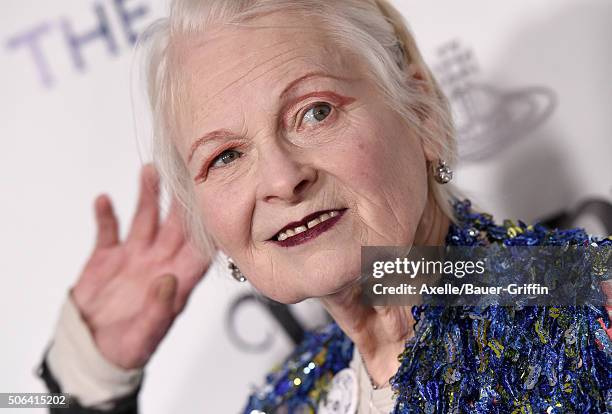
column 570, row 335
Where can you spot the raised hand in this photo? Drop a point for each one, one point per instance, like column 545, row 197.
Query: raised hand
column 130, row 292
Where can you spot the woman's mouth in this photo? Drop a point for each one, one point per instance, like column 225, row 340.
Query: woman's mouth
column 308, row 228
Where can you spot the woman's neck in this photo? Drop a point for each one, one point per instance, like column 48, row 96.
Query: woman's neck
column 380, row 332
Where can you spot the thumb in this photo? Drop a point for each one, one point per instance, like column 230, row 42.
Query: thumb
column 157, row 313
column 163, row 290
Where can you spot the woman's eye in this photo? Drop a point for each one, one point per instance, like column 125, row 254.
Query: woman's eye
column 317, row 113
column 225, row 158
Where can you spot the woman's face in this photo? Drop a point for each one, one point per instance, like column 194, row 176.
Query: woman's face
column 283, row 125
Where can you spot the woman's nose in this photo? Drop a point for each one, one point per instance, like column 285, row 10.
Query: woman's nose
column 283, row 177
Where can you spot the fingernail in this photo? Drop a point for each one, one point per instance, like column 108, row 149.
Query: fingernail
column 167, row 288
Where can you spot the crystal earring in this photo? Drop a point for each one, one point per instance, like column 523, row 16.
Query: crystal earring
column 236, row 273
column 442, row 172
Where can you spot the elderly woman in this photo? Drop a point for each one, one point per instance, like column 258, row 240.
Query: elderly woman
column 292, row 133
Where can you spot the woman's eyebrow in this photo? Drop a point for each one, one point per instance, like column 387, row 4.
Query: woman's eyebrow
column 214, row 135
column 288, row 103
column 316, row 74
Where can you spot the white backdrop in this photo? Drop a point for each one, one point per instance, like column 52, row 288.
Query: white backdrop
column 68, row 135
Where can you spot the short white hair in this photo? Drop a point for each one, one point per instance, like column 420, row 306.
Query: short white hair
column 373, row 29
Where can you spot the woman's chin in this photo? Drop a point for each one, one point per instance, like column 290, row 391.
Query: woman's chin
column 339, row 284
column 315, row 288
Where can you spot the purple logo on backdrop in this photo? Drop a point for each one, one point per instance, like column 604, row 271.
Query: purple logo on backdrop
column 487, row 118
column 31, row 42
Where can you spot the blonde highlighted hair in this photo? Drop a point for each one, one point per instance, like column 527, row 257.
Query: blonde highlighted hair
column 373, row 29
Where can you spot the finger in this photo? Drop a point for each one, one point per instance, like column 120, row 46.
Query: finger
column 146, row 218
column 157, row 312
column 191, row 269
column 171, row 236
column 106, row 221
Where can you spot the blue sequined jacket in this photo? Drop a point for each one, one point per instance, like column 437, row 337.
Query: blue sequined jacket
column 494, row 359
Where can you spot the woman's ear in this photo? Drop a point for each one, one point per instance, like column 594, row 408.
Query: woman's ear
column 431, row 150
column 420, row 79
column 420, row 83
